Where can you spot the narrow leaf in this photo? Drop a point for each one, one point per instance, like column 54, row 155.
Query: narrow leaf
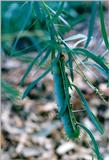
column 10, row 91
column 30, row 87
column 91, row 25
column 31, row 65
column 96, row 148
column 70, row 62
column 22, row 51
column 75, row 37
column 58, row 12
column 90, row 114
column 95, row 58
column 60, row 17
column 101, row 70
column 26, row 19
column 103, row 28
column 44, row 59
column 37, row 10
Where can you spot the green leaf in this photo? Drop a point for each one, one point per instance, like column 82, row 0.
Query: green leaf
column 28, row 7
column 60, row 17
column 30, row 87
column 22, row 51
column 108, row 83
column 35, row 41
column 70, row 62
column 90, row 114
column 10, row 91
column 103, row 28
column 35, row 46
column 101, row 70
column 37, row 10
column 44, row 59
column 75, row 37
column 58, row 12
column 95, row 58
column 31, row 65
column 96, row 148
column 91, row 25
column 79, row 19
column 49, row 23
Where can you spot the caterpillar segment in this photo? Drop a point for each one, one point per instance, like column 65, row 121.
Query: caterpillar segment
column 61, row 90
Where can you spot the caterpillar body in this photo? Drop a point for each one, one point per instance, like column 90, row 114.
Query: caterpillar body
column 62, row 96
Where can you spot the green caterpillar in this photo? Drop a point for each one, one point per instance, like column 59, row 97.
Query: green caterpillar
column 61, row 89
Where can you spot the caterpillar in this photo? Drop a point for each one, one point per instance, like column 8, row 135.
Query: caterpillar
column 61, row 90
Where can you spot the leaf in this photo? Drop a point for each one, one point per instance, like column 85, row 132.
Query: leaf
column 103, row 28
column 75, row 37
column 101, row 70
column 31, row 65
column 22, row 52
column 9, row 90
column 70, row 62
column 90, row 114
column 49, row 23
column 44, row 59
column 37, row 10
column 25, row 21
column 95, row 58
column 79, row 19
column 71, row 68
column 91, row 25
column 60, row 17
column 96, row 148
column 108, row 83
column 36, row 42
column 30, row 87
column 35, row 46
column 58, row 12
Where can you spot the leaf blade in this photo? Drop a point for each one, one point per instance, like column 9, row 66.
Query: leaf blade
column 90, row 114
column 91, row 25
column 28, row 89
column 95, row 58
column 32, row 84
column 103, row 28
column 96, row 148
column 31, row 65
column 29, row 6
column 75, row 37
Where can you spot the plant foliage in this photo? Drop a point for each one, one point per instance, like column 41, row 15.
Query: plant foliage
column 43, row 25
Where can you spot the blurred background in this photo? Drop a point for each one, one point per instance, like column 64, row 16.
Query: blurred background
column 31, row 128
